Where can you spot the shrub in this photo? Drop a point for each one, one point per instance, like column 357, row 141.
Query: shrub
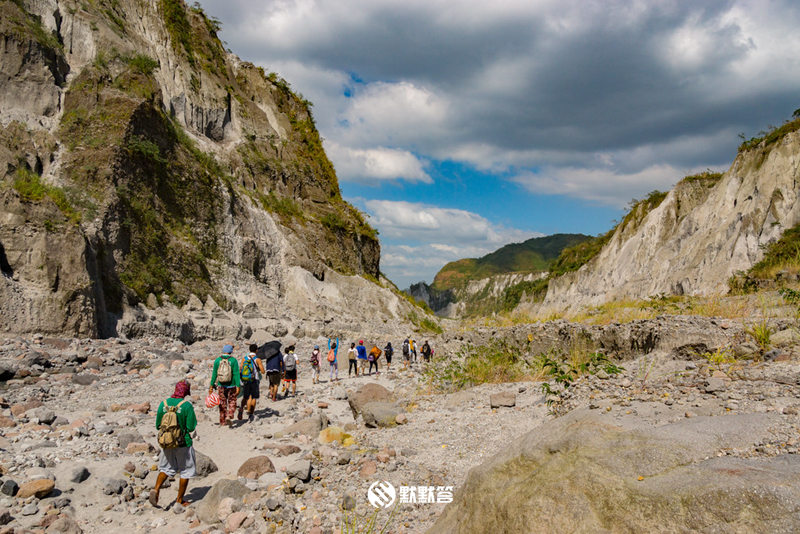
column 142, row 63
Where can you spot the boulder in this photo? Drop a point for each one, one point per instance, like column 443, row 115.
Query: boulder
column 309, row 426
column 39, row 488
column 255, row 467
column 505, row 399
column 331, row 434
column 785, row 338
column 44, row 415
column 126, row 438
column 584, row 473
column 380, row 414
column 64, row 525
column 222, row 489
column 203, row 464
column 78, row 474
column 368, row 393
column 301, row 470
column 9, row 487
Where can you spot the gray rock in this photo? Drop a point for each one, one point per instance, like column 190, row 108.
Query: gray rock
column 126, row 438
column 207, row 509
column 309, row 426
column 668, row 476
column 5, row 517
column 339, row 393
column 30, row 509
column 506, row 399
column 44, row 415
column 84, row 379
column 204, row 465
column 9, row 487
column 78, row 474
column 273, row 503
column 367, row 393
column 348, row 502
column 344, row 458
column 114, row 486
column 7, row 371
column 714, row 385
column 380, row 414
column 300, row 469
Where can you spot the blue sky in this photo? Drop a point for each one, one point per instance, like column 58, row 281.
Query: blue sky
column 460, row 125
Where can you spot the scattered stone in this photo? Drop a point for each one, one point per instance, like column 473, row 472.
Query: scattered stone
column 30, row 509
column 401, row 419
column 368, row 468
column 506, row 399
column 114, row 486
column 309, row 426
column 234, row 521
column 9, row 487
column 286, row 450
column 255, row 467
column 225, row 488
column 301, row 469
column 139, row 448
column 348, row 502
column 714, row 385
column 84, row 379
column 331, row 434
column 39, row 488
column 5, row 517
column 379, row 414
column 366, row 394
column 204, row 465
column 7, row 422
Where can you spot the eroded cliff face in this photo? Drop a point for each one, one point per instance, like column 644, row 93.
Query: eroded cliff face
column 148, row 175
column 697, row 237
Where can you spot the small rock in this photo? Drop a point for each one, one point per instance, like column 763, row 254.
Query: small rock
column 30, row 509
column 255, row 467
column 300, row 469
column 401, row 419
column 114, row 486
column 368, row 469
column 235, row 520
column 504, row 399
column 348, row 502
column 39, row 488
column 9, row 487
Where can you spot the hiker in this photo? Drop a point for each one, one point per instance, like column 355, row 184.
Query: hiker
column 290, row 371
column 333, row 351
column 314, row 361
column 374, row 354
column 406, row 353
column 413, row 346
column 426, row 351
column 226, row 376
column 388, row 351
column 351, row 357
column 361, row 352
column 177, row 454
column 274, row 372
column 252, row 368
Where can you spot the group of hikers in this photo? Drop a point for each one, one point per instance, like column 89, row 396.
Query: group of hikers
column 176, row 420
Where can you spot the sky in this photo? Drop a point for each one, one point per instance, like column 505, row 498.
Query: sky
column 459, row 126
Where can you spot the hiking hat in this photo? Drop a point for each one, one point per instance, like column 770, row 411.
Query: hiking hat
column 360, row 341
column 316, row 347
column 227, row 349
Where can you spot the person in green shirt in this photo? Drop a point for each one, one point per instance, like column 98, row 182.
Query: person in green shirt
column 178, row 460
column 228, row 381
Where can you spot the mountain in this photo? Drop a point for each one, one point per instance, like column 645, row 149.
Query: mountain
column 494, row 282
column 532, row 255
column 152, row 182
column 697, row 238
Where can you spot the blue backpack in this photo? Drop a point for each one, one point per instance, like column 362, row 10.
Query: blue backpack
column 248, row 369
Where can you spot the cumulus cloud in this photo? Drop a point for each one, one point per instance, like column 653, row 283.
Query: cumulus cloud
column 376, row 164
column 418, row 239
column 523, row 85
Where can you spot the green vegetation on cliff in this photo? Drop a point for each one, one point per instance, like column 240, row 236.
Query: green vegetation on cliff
column 529, row 256
column 781, row 258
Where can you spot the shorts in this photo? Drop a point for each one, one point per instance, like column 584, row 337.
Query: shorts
column 290, row 376
column 179, row 461
column 251, row 389
column 388, row 358
column 274, row 378
column 406, row 356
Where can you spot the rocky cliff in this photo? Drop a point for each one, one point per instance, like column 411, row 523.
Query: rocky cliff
column 698, row 236
column 154, row 182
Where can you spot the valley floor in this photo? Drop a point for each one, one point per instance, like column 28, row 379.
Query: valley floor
column 89, row 408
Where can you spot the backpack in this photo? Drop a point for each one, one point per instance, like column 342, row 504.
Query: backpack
column 315, row 358
column 224, row 371
column 405, row 347
column 332, row 355
column 290, row 362
column 170, row 434
column 248, row 369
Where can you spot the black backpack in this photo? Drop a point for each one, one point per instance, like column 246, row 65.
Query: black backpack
column 405, row 347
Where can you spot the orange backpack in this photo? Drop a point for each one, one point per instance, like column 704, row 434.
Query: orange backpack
column 332, row 355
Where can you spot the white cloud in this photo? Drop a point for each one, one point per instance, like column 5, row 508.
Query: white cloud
column 366, row 165
column 419, row 239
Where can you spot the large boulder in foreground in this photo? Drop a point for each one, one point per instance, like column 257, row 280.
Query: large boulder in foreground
column 368, row 393
column 592, row 473
column 222, row 489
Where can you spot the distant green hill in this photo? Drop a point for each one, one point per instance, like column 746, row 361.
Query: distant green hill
column 529, row 256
